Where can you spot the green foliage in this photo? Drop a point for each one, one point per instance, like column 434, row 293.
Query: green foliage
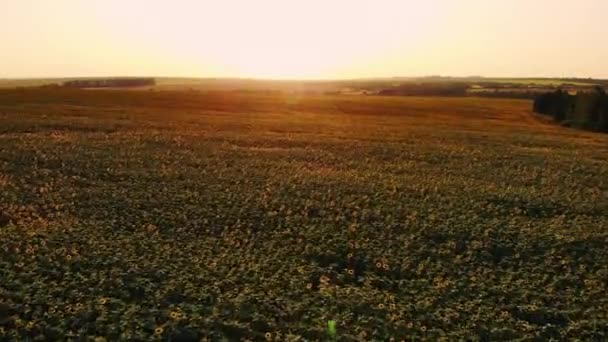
column 181, row 216
column 331, row 328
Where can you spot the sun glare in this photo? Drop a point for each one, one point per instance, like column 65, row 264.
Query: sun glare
column 310, row 39
column 270, row 39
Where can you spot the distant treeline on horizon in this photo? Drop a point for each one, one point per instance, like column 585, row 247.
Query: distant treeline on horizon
column 487, row 89
column 111, row 82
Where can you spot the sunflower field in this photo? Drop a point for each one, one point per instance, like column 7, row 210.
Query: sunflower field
column 187, row 216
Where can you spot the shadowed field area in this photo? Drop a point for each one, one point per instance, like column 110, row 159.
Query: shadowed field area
column 189, row 215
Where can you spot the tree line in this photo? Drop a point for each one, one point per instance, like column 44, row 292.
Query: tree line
column 111, row 83
column 587, row 110
column 427, row 89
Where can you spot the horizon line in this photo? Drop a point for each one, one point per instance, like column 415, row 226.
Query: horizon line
column 370, row 78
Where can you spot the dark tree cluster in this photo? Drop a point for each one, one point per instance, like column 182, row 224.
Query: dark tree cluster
column 585, row 109
column 110, row 83
column 427, row 89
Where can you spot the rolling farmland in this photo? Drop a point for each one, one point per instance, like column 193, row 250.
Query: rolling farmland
column 184, row 216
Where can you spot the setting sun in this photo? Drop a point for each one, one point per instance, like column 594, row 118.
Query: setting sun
column 271, row 39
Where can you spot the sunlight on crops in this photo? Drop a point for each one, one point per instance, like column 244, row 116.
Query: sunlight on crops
column 211, row 215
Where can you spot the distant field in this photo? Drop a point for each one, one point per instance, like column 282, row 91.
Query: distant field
column 226, row 84
column 543, row 81
column 188, row 215
column 200, row 84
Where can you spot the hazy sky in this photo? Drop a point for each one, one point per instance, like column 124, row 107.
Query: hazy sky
column 303, row 38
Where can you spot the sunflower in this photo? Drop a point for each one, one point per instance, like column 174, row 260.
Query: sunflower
column 423, row 328
column 379, row 264
column 309, row 286
column 174, row 315
column 158, row 331
column 102, row 301
column 268, row 336
column 380, row 306
column 351, row 272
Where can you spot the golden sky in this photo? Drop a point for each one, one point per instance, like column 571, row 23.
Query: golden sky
column 303, row 38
